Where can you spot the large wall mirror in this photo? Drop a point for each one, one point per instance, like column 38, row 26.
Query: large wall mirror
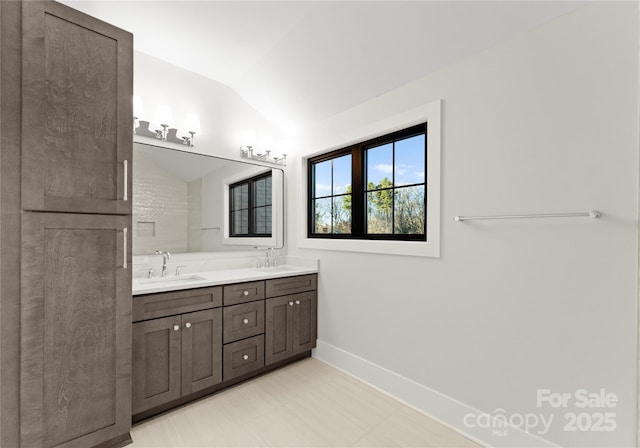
column 187, row 202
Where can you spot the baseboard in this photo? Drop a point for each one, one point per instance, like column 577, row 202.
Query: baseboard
column 442, row 408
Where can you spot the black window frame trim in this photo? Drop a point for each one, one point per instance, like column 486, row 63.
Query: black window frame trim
column 358, row 187
column 251, row 182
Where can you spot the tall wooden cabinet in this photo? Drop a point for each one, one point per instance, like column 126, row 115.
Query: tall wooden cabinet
column 66, row 82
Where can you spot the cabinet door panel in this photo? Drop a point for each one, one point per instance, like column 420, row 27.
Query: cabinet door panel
column 201, row 350
column 156, row 362
column 77, row 111
column 75, row 330
column 278, row 329
column 304, row 322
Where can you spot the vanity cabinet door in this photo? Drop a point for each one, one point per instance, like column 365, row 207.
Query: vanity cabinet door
column 75, row 330
column 156, row 362
column 201, row 350
column 278, row 329
column 77, row 119
column 305, row 322
column 291, row 323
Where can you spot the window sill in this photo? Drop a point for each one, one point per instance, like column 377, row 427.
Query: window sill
column 409, row 248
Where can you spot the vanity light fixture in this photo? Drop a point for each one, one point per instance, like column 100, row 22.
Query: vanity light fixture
column 249, row 150
column 164, row 116
column 138, row 112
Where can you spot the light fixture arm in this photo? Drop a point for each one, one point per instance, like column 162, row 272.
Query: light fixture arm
column 248, row 152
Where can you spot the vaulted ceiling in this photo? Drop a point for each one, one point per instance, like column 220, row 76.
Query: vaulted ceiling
column 299, row 62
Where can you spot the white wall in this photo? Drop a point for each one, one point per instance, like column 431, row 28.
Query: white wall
column 547, row 122
column 224, row 116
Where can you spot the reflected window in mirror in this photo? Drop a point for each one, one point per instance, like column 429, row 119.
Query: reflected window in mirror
column 251, row 206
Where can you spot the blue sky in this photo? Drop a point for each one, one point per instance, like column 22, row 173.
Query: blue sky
column 409, row 167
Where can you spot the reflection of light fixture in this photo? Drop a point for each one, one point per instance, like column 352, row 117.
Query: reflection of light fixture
column 164, row 117
column 138, row 112
column 192, row 123
column 249, row 151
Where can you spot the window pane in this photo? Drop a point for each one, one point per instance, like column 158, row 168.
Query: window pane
column 267, row 197
column 240, row 222
column 259, row 218
column 237, row 198
column 322, row 179
column 380, row 212
column 241, row 197
column 379, row 165
column 409, row 211
column 260, row 192
column 409, row 160
column 342, row 214
column 341, row 174
column 262, row 220
column 322, row 216
column 267, row 222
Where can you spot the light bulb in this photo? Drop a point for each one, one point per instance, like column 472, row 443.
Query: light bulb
column 267, row 143
column 250, row 138
column 164, row 116
column 138, row 108
column 192, row 124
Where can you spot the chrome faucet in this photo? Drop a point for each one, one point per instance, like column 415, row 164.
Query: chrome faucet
column 166, row 256
column 270, row 258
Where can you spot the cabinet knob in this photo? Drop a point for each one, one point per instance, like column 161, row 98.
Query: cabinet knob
column 245, row 293
column 188, row 325
column 176, row 327
column 297, row 302
column 245, row 321
column 290, row 303
column 245, row 357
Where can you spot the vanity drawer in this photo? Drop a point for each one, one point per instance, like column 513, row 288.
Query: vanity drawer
column 243, row 292
column 243, row 357
column 242, row 321
column 291, row 285
column 151, row 306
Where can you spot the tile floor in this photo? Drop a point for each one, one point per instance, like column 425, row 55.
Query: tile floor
column 306, row 404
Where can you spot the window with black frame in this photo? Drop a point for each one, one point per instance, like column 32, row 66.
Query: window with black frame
column 250, row 207
column 371, row 190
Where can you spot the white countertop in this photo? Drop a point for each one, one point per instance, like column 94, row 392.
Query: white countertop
column 214, row 278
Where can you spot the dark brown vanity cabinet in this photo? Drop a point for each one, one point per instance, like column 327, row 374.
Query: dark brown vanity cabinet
column 291, row 319
column 66, row 82
column 190, row 343
column 243, row 329
column 175, row 356
column 175, row 352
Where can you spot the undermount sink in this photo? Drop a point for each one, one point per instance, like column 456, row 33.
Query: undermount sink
column 177, row 279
